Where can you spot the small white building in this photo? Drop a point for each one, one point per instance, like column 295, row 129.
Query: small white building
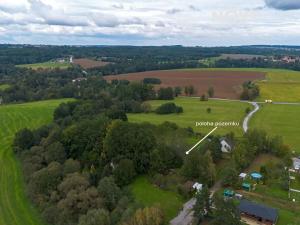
column 296, row 164
column 226, row 147
column 243, row 176
column 198, row 187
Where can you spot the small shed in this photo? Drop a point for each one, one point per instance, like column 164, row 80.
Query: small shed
column 243, row 176
column 198, row 187
column 228, row 193
column 256, row 176
column 246, row 186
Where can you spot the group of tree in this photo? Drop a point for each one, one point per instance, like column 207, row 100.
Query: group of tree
column 168, row 108
column 77, row 168
column 250, row 91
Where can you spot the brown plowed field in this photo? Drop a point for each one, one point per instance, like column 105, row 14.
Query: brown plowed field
column 227, row 84
column 89, row 63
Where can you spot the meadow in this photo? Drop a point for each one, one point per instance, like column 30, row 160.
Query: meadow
column 46, row 65
column 194, row 111
column 282, row 120
column 149, row 195
column 15, row 208
column 4, row 87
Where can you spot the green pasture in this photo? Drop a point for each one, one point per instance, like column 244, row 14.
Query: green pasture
column 282, row 120
column 149, row 195
column 4, row 87
column 15, row 208
column 194, row 111
column 46, row 65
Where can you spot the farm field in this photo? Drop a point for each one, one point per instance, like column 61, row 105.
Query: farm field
column 46, row 65
column 15, row 209
column 195, row 111
column 280, row 120
column 227, row 84
column 89, row 63
column 149, row 195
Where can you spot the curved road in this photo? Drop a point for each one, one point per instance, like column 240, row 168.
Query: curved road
column 249, row 116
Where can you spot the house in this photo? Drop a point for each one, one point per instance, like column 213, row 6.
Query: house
column 198, row 187
column 296, row 164
column 243, row 176
column 226, row 145
column 258, row 213
column 228, row 193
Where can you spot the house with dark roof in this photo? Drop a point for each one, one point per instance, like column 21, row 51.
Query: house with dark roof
column 259, row 213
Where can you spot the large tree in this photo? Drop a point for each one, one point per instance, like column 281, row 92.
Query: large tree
column 131, row 141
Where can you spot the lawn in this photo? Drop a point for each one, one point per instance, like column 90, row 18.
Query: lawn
column 196, row 111
column 4, row 87
column 149, row 195
column 15, row 209
column 46, row 65
column 280, row 120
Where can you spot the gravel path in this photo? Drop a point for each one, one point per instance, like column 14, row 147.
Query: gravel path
column 249, row 116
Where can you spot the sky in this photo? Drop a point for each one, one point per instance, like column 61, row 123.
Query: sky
column 150, row 22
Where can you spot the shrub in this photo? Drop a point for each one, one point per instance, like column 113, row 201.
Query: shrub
column 169, row 108
column 151, row 80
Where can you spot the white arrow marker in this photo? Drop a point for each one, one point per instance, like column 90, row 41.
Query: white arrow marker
column 201, row 141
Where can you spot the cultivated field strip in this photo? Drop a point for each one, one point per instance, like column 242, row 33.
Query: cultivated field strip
column 15, row 208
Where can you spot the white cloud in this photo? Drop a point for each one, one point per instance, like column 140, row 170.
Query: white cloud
column 198, row 22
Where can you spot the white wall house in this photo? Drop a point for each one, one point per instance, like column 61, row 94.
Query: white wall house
column 225, row 146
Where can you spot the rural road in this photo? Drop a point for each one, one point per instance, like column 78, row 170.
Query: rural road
column 249, row 116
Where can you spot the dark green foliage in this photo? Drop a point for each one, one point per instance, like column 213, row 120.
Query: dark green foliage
column 202, row 207
column 189, row 90
column 199, row 167
column 226, row 213
column 110, row 192
column 211, row 92
column 250, row 91
column 24, row 139
column 169, row 108
column 131, row 141
column 124, row 172
column 95, row 217
column 165, row 94
column 151, row 80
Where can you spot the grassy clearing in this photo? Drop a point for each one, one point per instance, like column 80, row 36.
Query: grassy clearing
column 149, row 195
column 280, row 120
column 4, row 87
column 195, row 111
column 15, row 209
column 46, row 65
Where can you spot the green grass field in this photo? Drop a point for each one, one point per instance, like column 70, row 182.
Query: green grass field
column 46, row 65
column 4, row 87
column 283, row 120
column 195, row 111
column 149, row 195
column 15, row 208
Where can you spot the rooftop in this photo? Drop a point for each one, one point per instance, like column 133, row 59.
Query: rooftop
column 258, row 210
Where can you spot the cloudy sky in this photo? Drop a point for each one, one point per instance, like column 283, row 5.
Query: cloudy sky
column 150, row 22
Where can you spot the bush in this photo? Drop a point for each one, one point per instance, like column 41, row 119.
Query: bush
column 150, row 80
column 169, row 108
